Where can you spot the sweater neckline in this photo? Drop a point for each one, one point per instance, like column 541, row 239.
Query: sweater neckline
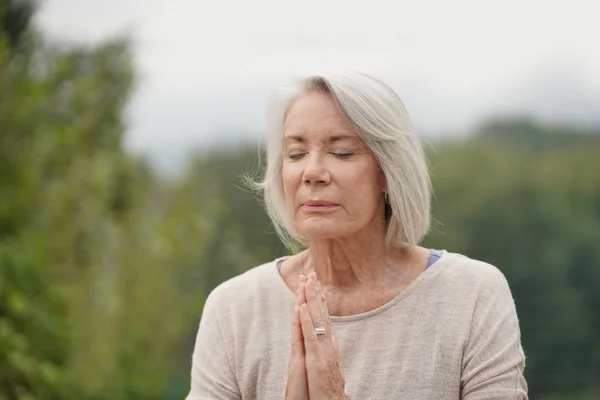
column 424, row 276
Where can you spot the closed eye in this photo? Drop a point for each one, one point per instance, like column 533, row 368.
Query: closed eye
column 296, row 156
column 343, row 156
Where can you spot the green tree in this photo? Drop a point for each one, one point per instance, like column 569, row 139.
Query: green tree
column 533, row 213
column 96, row 252
column 242, row 235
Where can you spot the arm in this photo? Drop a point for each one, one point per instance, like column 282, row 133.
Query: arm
column 493, row 359
column 213, row 377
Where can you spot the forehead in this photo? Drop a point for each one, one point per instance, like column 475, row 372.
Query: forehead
column 315, row 115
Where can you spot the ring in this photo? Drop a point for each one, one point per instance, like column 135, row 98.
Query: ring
column 319, row 331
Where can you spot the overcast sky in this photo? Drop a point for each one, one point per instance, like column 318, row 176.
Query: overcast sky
column 207, row 67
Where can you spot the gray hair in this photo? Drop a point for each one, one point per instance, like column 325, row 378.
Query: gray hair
column 383, row 124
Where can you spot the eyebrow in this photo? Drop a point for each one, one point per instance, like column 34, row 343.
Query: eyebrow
column 332, row 139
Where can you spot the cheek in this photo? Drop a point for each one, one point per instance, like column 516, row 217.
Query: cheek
column 289, row 177
column 361, row 181
column 290, row 173
column 363, row 187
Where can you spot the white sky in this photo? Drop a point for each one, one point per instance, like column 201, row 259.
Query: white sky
column 209, row 65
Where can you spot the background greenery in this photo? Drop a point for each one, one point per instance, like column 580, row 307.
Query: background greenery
column 104, row 265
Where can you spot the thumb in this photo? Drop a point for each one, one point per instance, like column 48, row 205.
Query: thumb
column 297, row 339
column 336, row 350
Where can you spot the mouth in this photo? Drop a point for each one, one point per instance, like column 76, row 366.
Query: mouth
column 319, row 205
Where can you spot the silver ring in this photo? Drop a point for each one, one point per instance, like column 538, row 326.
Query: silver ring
column 319, row 331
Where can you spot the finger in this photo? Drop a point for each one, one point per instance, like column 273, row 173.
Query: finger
column 336, row 350
column 321, row 292
column 315, row 305
column 301, row 289
column 297, row 384
column 338, row 357
column 297, row 339
column 336, row 345
column 308, row 331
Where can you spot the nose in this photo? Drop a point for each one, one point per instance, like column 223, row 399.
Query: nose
column 315, row 170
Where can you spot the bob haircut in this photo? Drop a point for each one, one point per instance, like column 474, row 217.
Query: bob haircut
column 383, row 124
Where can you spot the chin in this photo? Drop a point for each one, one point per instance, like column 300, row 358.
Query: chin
column 318, row 230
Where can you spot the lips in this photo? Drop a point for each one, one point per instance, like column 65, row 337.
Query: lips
column 317, row 203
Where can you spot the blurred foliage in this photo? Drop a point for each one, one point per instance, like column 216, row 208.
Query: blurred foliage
column 535, row 215
column 104, row 266
column 94, row 251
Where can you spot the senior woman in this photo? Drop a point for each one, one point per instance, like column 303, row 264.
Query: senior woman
column 362, row 312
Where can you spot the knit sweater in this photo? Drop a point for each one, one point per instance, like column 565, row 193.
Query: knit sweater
column 453, row 333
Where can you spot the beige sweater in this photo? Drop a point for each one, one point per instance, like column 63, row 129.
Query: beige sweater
column 452, row 334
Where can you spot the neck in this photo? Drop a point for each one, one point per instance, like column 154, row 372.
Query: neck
column 362, row 259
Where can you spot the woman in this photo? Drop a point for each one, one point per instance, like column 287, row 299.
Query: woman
column 363, row 312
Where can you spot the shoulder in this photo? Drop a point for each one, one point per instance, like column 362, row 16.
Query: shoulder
column 478, row 288
column 245, row 288
column 470, row 283
column 477, row 292
column 468, row 272
column 247, row 302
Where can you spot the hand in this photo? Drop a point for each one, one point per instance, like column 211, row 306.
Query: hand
column 297, row 384
column 321, row 352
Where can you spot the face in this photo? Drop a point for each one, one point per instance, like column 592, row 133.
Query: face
column 333, row 184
